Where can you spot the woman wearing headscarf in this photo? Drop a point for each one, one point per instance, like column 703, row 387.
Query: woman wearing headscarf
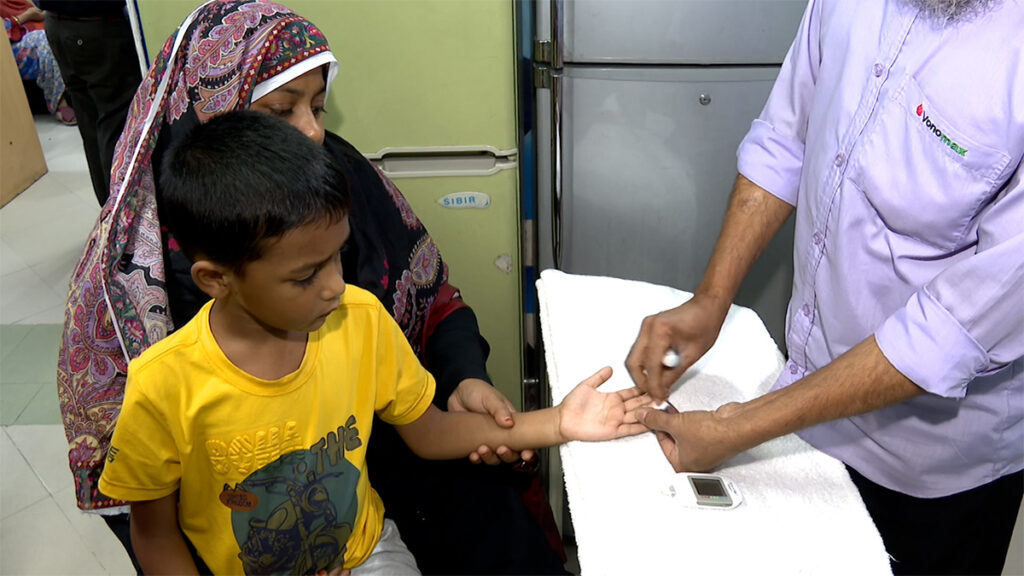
column 132, row 287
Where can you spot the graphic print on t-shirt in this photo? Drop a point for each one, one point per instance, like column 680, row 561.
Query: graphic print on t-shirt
column 295, row 514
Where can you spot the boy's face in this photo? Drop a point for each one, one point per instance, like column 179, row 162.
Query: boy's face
column 296, row 284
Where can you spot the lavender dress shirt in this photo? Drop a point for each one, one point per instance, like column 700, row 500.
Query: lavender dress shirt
column 899, row 141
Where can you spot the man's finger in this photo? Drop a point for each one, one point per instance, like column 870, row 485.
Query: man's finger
column 652, row 418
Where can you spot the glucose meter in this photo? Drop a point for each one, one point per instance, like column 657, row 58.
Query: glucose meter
column 709, row 491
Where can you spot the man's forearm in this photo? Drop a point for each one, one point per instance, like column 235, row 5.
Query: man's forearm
column 860, row 381
column 753, row 218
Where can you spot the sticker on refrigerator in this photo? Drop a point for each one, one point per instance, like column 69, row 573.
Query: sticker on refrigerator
column 463, row 200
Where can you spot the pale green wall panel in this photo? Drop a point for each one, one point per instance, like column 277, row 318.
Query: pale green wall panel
column 482, row 249
column 411, row 72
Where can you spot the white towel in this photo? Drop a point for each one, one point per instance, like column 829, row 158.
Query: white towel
column 801, row 514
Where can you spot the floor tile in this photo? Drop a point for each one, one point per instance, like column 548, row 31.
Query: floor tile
column 46, row 451
column 33, row 208
column 56, row 272
column 39, row 244
column 95, row 535
column 10, row 336
column 41, row 540
column 34, row 359
column 14, row 398
column 43, row 408
column 52, row 315
column 19, row 485
column 10, row 261
column 22, row 294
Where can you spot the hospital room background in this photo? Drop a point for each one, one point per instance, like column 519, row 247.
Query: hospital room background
column 512, row 138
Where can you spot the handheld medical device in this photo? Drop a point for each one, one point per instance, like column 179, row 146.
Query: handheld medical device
column 709, row 491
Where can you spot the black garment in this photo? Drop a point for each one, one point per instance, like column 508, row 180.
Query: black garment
column 964, row 533
column 95, row 52
column 82, row 8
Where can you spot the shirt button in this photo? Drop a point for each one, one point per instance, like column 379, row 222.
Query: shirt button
column 793, row 369
column 806, row 310
column 817, row 238
column 79, row 41
column 878, row 69
column 840, row 159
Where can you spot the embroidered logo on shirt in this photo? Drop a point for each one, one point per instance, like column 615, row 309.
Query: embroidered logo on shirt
column 938, row 132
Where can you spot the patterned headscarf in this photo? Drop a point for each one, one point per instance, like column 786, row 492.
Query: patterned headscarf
column 225, row 55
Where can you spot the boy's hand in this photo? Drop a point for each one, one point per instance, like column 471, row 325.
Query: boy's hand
column 475, row 395
column 589, row 415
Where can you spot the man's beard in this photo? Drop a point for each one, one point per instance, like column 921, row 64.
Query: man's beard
column 952, row 11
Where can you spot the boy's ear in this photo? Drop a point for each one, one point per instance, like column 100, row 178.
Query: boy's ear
column 211, row 278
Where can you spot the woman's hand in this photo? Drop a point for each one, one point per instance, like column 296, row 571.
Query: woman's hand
column 690, row 330
column 475, row 395
column 589, row 415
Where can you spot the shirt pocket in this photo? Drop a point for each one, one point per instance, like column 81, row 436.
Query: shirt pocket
column 926, row 176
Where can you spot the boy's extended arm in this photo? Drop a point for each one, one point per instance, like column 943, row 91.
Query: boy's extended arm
column 157, row 539
column 585, row 414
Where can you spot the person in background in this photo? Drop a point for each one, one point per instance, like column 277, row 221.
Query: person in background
column 895, row 132
column 133, row 286
column 95, row 50
column 26, row 31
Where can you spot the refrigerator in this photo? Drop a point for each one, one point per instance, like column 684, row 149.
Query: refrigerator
column 427, row 90
column 640, row 107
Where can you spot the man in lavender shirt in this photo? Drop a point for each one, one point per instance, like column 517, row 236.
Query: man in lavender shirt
column 895, row 132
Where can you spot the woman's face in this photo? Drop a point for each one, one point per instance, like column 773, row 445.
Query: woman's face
column 300, row 103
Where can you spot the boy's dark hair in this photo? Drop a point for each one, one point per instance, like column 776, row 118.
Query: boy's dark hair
column 242, row 178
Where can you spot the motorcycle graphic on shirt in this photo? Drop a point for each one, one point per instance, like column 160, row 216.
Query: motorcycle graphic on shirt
column 294, row 515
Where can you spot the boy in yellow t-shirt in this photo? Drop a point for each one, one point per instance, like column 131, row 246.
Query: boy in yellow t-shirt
column 248, row 426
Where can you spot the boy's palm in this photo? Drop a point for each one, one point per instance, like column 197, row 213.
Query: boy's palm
column 589, row 415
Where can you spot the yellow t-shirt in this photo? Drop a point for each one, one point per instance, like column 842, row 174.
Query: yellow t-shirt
column 272, row 474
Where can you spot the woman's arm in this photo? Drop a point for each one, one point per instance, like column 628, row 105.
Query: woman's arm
column 157, row 539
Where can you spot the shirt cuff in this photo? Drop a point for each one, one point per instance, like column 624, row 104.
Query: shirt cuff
column 928, row 345
column 772, row 161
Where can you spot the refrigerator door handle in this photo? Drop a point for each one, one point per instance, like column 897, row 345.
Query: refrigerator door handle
column 556, row 168
column 557, row 32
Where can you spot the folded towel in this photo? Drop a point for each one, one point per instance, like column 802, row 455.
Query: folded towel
column 801, row 514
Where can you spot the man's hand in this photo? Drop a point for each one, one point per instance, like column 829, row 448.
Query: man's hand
column 693, row 441
column 475, row 395
column 689, row 329
column 586, row 414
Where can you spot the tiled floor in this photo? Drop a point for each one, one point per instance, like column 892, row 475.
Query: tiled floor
column 41, row 234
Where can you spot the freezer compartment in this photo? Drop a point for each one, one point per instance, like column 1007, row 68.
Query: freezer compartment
column 672, row 31
column 647, row 164
column 411, row 72
column 475, row 222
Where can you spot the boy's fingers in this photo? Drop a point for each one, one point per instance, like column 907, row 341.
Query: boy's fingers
column 599, row 377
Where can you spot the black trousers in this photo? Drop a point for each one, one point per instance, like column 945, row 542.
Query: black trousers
column 100, row 66
column 964, row 533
